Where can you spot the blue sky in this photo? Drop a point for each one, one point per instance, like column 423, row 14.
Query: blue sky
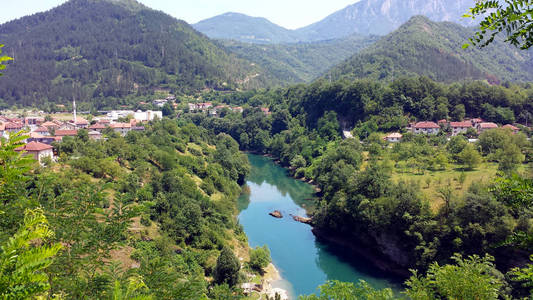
column 288, row 13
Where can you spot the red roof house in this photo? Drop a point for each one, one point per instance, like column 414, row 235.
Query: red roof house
column 426, row 128
column 38, row 150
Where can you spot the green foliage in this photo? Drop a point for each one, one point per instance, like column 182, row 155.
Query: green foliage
column 335, row 290
column 469, row 157
column 510, row 16
column 25, row 257
column 259, row 258
column 524, row 275
column 470, row 278
column 227, row 268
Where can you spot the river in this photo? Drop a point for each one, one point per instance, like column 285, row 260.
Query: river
column 303, row 262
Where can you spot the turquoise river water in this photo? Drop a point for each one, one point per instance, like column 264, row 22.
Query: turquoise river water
column 303, row 262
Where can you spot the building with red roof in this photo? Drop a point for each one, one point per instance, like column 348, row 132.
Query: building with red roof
column 513, row 128
column 80, row 122
column 426, row 128
column 460, row 127
column 97, row 127
column 481, row 127
column 62, row 133
column 37, row 150
column 13, row 127
column 122, row 128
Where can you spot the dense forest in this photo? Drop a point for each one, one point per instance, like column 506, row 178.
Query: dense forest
column 144, row 215
column 423, row 47
column 380, row 197
column 103, row 51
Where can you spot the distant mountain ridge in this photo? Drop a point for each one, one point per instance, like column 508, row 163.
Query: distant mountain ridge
column 240, row 27
column 433, row 49
column 366, row 17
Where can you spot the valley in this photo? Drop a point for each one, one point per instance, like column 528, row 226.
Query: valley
column 368, row 155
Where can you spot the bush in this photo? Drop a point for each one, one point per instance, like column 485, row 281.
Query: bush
column 259, row 258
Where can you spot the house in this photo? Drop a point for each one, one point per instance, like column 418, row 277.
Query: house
column 97, row 127
column 192, row 106
column 116, row 114
column 160, row 102
column 50, row 124
column 37, row 150
column 95, row 135
column 13, row 127
column 2, row 129
column 37, row 137
column 394, row 137
column 148, row 115
column 238, row 109
column 121, row 128
column 514, row 129
column 67, row 126
column 442, row 122
column 42, row 130
column 481, row 127
column 475, row 122
column 426, row 128
column 62, row 132
column 460, row 127
column 80, row 123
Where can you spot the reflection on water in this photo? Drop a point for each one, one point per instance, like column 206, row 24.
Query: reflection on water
column 304, row 263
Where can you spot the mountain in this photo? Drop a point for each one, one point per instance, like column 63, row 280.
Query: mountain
column 366, row 17
column 381, row 17
column 105, row 50
column 300, row 62
column 240, row 27
column 434, row 49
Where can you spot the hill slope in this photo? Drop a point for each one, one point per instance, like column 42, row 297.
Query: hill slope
column 300, row 62
column 239, row 27
column 109, row 49
column 423, row 47
column 380, row 17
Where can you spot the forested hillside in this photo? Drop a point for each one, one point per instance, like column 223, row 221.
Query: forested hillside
column 240, row 27
column 102, row 50
column 144, row 215
column 423, row 47
column 300, row 62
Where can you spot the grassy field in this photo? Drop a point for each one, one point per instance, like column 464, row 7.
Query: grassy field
column 431, row 181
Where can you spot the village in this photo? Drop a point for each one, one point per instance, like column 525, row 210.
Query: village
column 468, row 127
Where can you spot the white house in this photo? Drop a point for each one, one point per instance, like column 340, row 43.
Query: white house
column 426, row 128
column 147, row 115
column 460, row 127
column 394, row 137
column 37, row 150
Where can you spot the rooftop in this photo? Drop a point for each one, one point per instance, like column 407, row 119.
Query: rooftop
column 34, row 146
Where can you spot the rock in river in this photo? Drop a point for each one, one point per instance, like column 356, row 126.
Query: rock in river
column 276, row 214
column 302, row 219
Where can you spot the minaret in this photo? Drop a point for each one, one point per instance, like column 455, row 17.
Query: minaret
column 74, row 107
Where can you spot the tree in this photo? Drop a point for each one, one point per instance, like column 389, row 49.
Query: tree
column 168, row 109
column 3, row 58
column 514, row 17
column 469, row 157
column 25, row 257
column 470, row 278
column 259, row 258
column 227, row 268
column 524, row 275
column 509, row 158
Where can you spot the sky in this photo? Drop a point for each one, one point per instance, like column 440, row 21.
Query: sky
column 290, row 14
